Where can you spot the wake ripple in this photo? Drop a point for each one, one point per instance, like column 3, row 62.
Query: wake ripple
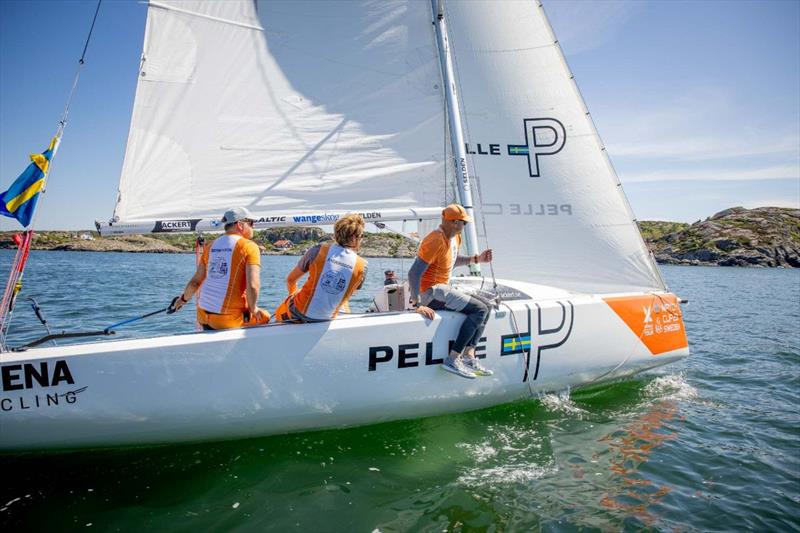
column 560, row 402
column 671, row 387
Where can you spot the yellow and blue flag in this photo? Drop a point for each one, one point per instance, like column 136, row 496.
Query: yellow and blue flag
column 19, row 201
column 515, row 343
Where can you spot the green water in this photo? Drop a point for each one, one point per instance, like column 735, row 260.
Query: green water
column 521, row 466
column 710, row 443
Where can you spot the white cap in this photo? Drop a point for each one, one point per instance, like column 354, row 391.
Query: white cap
column 235, row 214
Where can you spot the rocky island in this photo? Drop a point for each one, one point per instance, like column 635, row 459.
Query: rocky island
column 760, row 237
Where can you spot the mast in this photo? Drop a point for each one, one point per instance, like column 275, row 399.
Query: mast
column 456, row 133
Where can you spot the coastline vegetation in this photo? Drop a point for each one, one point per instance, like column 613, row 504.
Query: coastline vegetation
column 765, row 236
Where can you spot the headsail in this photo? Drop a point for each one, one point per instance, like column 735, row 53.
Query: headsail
column 284, row 107
column 554, row 210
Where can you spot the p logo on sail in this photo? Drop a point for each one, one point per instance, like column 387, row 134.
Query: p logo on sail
column 543, row 136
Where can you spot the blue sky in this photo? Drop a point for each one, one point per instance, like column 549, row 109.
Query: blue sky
column 698, row 102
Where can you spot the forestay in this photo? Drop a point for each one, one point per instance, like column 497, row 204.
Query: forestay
column 284, row 107
column 554, row 211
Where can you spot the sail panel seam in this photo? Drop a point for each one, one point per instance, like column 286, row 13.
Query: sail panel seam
column 512, row 50
column 204, row 16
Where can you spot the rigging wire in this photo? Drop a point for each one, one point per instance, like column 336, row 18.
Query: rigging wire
column 445, row 142
column 14, row 284
column 63, row 122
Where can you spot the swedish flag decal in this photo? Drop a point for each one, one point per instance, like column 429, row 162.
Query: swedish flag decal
column 511, row 344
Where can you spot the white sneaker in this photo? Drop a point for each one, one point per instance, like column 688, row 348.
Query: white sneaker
column 477, row 368
column 458, row 368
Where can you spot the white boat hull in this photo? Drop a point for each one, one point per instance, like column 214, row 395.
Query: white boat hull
column 360, row 369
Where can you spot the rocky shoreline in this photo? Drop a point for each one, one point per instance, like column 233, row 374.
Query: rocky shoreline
column 297, row 241
column 761, row 237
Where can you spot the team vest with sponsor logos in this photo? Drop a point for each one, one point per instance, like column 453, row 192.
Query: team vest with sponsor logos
column 333, row 277
column 226, row 260
column 440, row 253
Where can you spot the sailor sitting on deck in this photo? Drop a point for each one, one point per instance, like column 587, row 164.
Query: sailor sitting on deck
column 430, row 274
column 229, row 273
column 335, row 272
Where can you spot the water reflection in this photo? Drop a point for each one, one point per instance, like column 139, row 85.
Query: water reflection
column 629, row 491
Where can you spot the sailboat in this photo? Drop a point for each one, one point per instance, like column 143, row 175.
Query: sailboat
column 305, row 110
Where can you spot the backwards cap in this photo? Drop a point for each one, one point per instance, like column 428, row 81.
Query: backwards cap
column 235, row 214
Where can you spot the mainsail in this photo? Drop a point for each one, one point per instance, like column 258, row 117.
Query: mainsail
column 553, row 207
column 332, row 106
column 284, row 107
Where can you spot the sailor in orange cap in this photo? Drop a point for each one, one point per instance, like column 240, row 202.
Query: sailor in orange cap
column 428, row 283
column 229, row 273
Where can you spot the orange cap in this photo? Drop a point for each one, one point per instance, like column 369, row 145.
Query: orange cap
column 455, row 212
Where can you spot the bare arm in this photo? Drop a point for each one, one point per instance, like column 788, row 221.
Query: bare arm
column 292, row 279
column 483, row 257
column 302, row 267
column 253, row 277
column 192, row 286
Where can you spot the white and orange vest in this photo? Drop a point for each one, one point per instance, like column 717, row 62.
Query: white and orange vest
column 224, row 289
column 333, row 276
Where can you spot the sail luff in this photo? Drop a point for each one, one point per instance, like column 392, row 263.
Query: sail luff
column 126, row 157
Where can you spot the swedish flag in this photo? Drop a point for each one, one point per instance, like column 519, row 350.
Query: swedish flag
column 19, row 201
column 515, row 343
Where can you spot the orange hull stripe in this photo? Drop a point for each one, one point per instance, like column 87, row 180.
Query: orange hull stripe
column 655, row 318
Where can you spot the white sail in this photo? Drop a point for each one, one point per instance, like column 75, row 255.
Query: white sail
column 284, row 106
column 554, row 211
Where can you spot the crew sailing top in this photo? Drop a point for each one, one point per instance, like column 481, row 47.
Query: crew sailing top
column 226, row 260
column 334, row 274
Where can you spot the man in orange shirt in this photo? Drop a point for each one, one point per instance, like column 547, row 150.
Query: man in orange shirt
column 428, row 283
column 229, row 273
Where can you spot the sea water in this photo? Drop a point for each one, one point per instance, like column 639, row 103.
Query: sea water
column 709, row 443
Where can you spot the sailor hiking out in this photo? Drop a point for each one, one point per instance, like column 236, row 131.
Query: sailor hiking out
column 229, row 273
column 335, row 271
column 429, row 290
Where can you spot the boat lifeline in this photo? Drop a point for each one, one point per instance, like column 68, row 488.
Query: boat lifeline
column 302, row 111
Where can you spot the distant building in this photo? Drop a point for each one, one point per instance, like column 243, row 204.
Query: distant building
column 86, row 237
column 283, row 244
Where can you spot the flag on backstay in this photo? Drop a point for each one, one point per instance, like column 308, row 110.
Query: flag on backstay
column 19, row 201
